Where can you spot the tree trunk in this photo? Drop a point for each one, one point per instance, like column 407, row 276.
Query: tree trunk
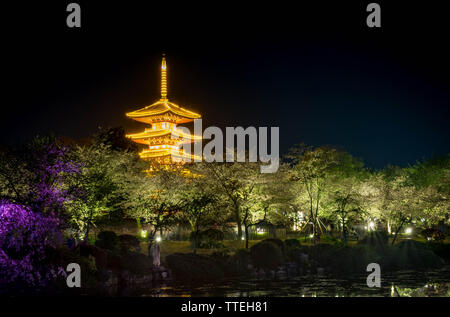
column 86, row 235
column 195, row 239
column 344, row 231
column 397, row 231
column 314, row 231
column 149, row 248
column 195, row 243
column 316, row 237
column 246, row 236
column 88, row 227
column 239, row 223
column 138, row 223
column 151, row 237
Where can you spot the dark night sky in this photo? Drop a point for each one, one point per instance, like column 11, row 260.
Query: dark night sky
column 317, row 71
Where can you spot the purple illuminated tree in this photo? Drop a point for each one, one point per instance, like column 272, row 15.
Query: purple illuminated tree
column 27, row 242
column 35, row 175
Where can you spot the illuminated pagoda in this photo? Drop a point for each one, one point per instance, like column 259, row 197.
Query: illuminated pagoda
column 163, row 139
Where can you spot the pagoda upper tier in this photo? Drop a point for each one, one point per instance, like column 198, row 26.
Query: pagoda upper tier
column 163, row 110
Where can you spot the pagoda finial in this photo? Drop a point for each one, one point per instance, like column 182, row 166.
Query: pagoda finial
column 164, row 78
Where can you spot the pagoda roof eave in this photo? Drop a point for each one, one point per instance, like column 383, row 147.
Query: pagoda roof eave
column 166, row 152
column 163, row 132
column 161, row 107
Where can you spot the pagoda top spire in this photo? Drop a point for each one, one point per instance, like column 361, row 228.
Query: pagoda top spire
column 163, row 109
column 163, row 78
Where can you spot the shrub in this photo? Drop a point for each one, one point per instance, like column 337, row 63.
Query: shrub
column 329, row 239
column 411, row 244
column 292, row 243
column 343, row 260
column 99, row 254
column 220, row 254
column 193, row 267
column 104, row 259
column 114, row 262
column 291, row 248
column 412, row 254
column 208, row 239
column 266, row 255
column 107, row 240
column 438, row 236
column 129, row 243
column 322, row 253
column 242, row 259
column 321, row 249
column 440, row 249
column 433, row 234
column 212, row 234
column 137, row 263
column 376, row 239
column 227, row 263
column 278, row 242
column 237, row 264
column 355, row 259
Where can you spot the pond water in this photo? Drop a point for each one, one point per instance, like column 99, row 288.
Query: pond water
column 405, row 283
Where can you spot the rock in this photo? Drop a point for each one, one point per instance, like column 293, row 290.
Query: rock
column 304, row 258
column 189, row 267
column 261, row 273
column 292, row 265
column 291, row 271
column 281, row 273
column 111, row 279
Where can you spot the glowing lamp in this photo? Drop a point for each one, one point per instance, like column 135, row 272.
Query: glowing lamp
column 260, row 231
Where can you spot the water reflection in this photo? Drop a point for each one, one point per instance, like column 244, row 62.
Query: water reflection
column 405, row 283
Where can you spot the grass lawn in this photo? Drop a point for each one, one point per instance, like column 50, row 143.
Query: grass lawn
column 169, row 247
